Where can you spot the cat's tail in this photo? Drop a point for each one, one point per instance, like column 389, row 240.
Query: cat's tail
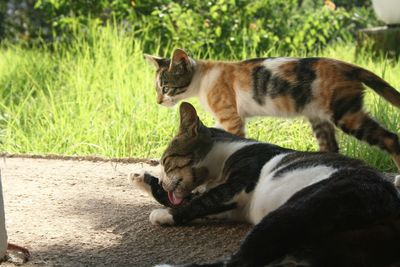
column 380, row 86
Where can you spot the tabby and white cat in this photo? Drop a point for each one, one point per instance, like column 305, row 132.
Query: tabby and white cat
column 326, row 91
column 320, row 209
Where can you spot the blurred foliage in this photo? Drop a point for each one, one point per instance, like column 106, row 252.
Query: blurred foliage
column 222, row 26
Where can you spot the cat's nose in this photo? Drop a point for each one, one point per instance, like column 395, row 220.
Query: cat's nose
column 159, row 100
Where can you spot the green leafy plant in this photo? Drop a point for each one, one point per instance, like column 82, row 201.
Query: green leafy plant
column 219, row 27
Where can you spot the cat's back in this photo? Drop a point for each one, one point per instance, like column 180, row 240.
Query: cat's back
column 289, row 173
column 288, row 87
column 280, row 86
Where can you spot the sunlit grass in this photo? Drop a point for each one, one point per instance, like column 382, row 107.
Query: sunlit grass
column 97, row 97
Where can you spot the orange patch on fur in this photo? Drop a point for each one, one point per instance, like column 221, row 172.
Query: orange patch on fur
column 235, row 126
column 353, row 121
column 204, row 66
column 285, row 103
column 242, row 77
column 222, row 100
column 332, row 82
column 287, row 71
column 389, row 142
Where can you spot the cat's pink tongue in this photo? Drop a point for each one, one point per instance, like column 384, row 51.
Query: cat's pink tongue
column 174, row 199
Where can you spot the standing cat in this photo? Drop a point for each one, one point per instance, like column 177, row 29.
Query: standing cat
column 318, row 209
column 327, row 91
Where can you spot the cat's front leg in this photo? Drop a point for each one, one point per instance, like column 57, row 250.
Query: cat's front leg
column 165, row 217
column 218, row 200
column 224, row 109
column 161, row 217
column 137, row 180
column 150, row 184
column 215, row 203
column 232, row 123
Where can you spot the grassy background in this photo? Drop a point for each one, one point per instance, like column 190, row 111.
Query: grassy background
column 97, row 97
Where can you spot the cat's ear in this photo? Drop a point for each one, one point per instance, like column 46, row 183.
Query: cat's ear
column 158, row 62
column 190, row 122
column 179, row 56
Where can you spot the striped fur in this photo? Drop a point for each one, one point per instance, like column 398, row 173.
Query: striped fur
column 326, row 91
column 314, row 208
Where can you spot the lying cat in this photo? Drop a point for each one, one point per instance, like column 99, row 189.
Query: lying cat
column 326, row 91
column 318, row 209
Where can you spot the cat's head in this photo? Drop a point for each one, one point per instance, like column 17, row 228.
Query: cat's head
column 191, row 144
column 173, row 76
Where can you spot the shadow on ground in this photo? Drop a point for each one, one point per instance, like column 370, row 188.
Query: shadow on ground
column 133, row 241
column 82, row 213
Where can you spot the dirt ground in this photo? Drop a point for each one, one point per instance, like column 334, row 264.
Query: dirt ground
column 85, row 213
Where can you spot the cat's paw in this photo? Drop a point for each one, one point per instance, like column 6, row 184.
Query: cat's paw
column 397, row 181
column 161, row 217
column 137, row 180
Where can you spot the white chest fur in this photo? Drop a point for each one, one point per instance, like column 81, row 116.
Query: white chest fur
column 272, row 192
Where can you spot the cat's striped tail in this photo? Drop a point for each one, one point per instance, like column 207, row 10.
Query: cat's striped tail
column 380, row 86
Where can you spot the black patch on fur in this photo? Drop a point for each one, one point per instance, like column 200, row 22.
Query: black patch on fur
column 374, row 134
column 278, row 87
column 299, row 91
column 354, row 74
column 260, row 77
column 372, row 81
column 341, row 106
column 304, row 160
column 157, row 191
column 243, row 167
column 305, row 73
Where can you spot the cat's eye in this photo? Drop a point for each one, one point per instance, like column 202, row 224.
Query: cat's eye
column 164, row 89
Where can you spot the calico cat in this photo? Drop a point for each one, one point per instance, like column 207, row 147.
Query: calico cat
column 326, row 91
column 317, row 209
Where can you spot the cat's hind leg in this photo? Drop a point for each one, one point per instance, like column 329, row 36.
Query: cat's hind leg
column 363, row 127
column 324, row 132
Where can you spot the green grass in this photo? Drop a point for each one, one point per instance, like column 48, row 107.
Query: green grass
column 97, row 97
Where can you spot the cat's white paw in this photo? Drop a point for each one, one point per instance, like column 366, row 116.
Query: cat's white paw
column 137, row 180
column 397, row 181
column 200, row 189
column 161, row 217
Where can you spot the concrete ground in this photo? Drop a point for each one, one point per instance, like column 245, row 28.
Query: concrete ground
column 85, row 213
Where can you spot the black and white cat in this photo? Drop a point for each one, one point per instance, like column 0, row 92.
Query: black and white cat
column 316, row 209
